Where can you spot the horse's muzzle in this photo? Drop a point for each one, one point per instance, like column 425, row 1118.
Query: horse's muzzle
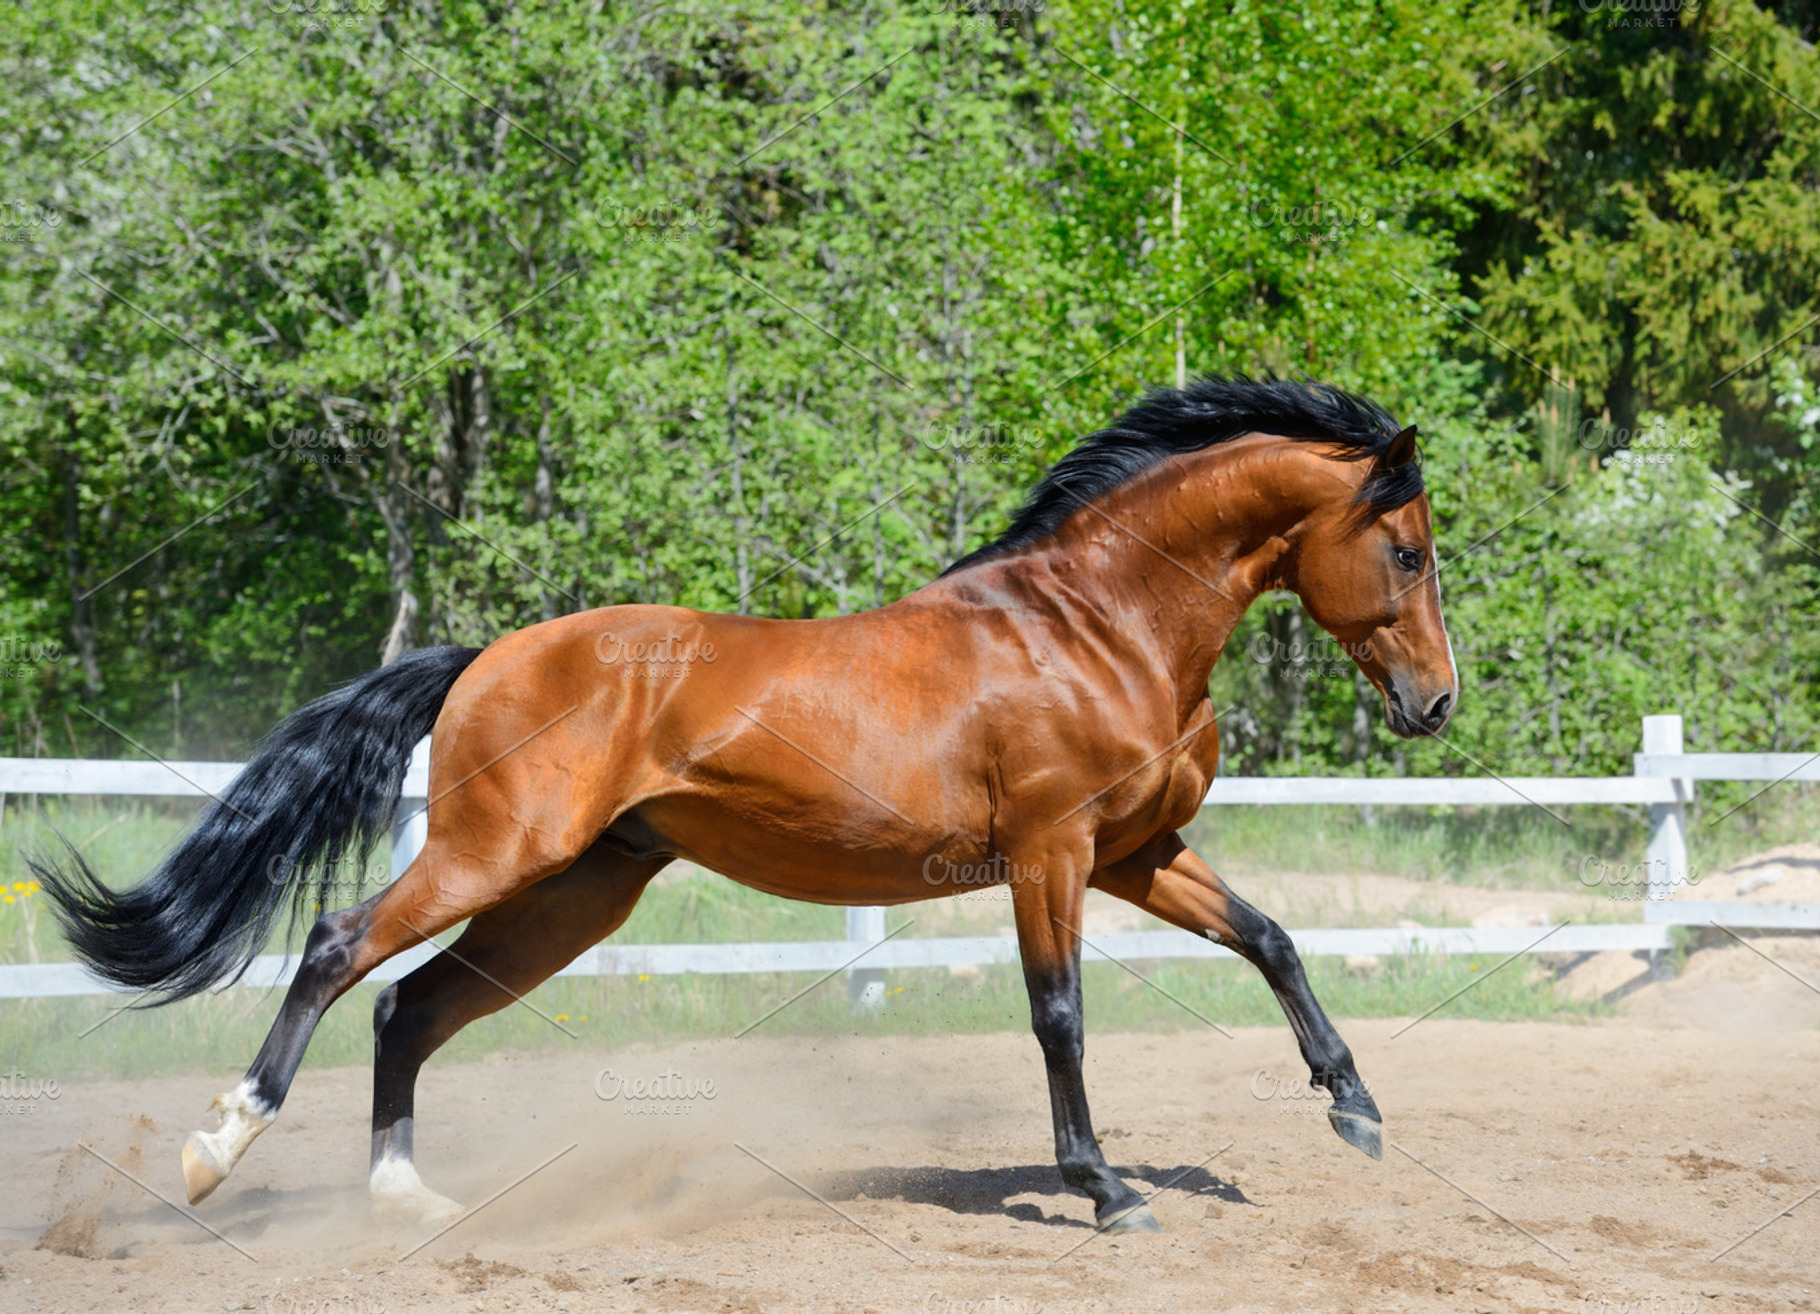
column 1413, row 715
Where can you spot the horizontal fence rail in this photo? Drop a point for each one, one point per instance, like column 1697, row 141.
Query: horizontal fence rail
column 1446, row 791
column 58, row 775
column 71, row 775
column 41, row 979
column 1663, row 781
column 1796, row 768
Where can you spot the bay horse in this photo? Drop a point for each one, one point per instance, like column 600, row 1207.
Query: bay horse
column 1041, row 707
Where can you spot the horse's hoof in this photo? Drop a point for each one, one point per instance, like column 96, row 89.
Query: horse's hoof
column 1355, row 1129
column 208, row 1157
column 399, row 1196
column 1136, row 1218
column 202, row 1171
column 429, row 1210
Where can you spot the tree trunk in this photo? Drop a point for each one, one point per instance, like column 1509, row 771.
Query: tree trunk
column 544, row 489
column 82, row 618
column 400, row 555
column 742, row 560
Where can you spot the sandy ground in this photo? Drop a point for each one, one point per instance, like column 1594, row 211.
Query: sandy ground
column 1313, row 899
column 1530, row 1167
column 1663, row 1160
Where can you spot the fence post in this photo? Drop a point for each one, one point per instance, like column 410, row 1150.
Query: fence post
column 412, row 828
column 1667, row 864
column 865, row 985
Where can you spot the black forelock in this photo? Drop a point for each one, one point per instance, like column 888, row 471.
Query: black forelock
column 1175, row 421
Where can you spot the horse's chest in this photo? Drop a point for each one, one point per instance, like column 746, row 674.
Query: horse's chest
column 1169, row 796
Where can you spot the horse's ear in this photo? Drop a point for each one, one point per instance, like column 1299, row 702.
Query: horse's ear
column 1402, row 449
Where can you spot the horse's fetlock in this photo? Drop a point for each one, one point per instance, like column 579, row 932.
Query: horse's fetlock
column 1335, row 1076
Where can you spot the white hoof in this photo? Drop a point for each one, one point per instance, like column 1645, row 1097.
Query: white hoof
column 399, row 1196
column 208, row 1157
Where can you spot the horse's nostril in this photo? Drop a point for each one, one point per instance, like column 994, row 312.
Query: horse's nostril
column 1438, row 710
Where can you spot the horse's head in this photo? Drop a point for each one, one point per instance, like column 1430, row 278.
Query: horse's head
column 1365, row 569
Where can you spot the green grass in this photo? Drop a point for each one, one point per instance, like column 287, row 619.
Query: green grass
column 709, row 909
column 221, row 1033
column 1515, row 847
column 1509, row 848
column 122, row 839
column 1519, row 847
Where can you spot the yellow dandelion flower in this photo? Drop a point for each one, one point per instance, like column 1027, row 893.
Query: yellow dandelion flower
column 562, row 1017
column 644, row 976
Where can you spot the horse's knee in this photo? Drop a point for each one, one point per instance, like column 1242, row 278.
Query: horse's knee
column 1261, row 940
column 1055, row 1017
column 1274, row 946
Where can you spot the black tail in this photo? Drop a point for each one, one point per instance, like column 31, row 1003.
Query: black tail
column 321, row 789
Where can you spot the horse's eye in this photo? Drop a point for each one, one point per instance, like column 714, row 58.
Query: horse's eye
column 1409, row 558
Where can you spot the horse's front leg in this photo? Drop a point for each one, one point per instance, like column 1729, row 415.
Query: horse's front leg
column 1047, row 904
column 1168, row 879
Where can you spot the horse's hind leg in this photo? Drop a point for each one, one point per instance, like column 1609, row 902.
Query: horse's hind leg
column 325, row 971
column 441, row 887
column 505, row 952
column 1169, row 880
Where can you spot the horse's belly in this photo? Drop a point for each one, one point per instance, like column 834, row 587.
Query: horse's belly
column 832, row 857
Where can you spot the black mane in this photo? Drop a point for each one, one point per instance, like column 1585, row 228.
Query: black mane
column 1173, row 421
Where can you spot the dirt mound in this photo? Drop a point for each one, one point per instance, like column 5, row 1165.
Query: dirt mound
column 84, row 1186
column 1790, row 874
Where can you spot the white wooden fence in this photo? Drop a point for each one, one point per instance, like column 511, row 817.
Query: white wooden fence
column 1663, row 779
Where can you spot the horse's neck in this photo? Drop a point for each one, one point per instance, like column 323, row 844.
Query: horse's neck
column 1173, row 561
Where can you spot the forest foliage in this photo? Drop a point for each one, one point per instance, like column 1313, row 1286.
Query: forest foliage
column 334, row 328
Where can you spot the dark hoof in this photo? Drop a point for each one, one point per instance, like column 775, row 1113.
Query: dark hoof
column 1364, row 1133
column 1130, row 1218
